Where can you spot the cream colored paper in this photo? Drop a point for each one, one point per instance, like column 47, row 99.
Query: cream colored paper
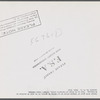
column 49, row 49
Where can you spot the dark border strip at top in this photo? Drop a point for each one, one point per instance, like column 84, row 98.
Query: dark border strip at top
column 51, row 99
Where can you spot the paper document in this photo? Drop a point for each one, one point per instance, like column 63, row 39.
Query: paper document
column 49, row 49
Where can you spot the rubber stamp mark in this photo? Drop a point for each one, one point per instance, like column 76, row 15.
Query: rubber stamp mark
column 19, row 23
